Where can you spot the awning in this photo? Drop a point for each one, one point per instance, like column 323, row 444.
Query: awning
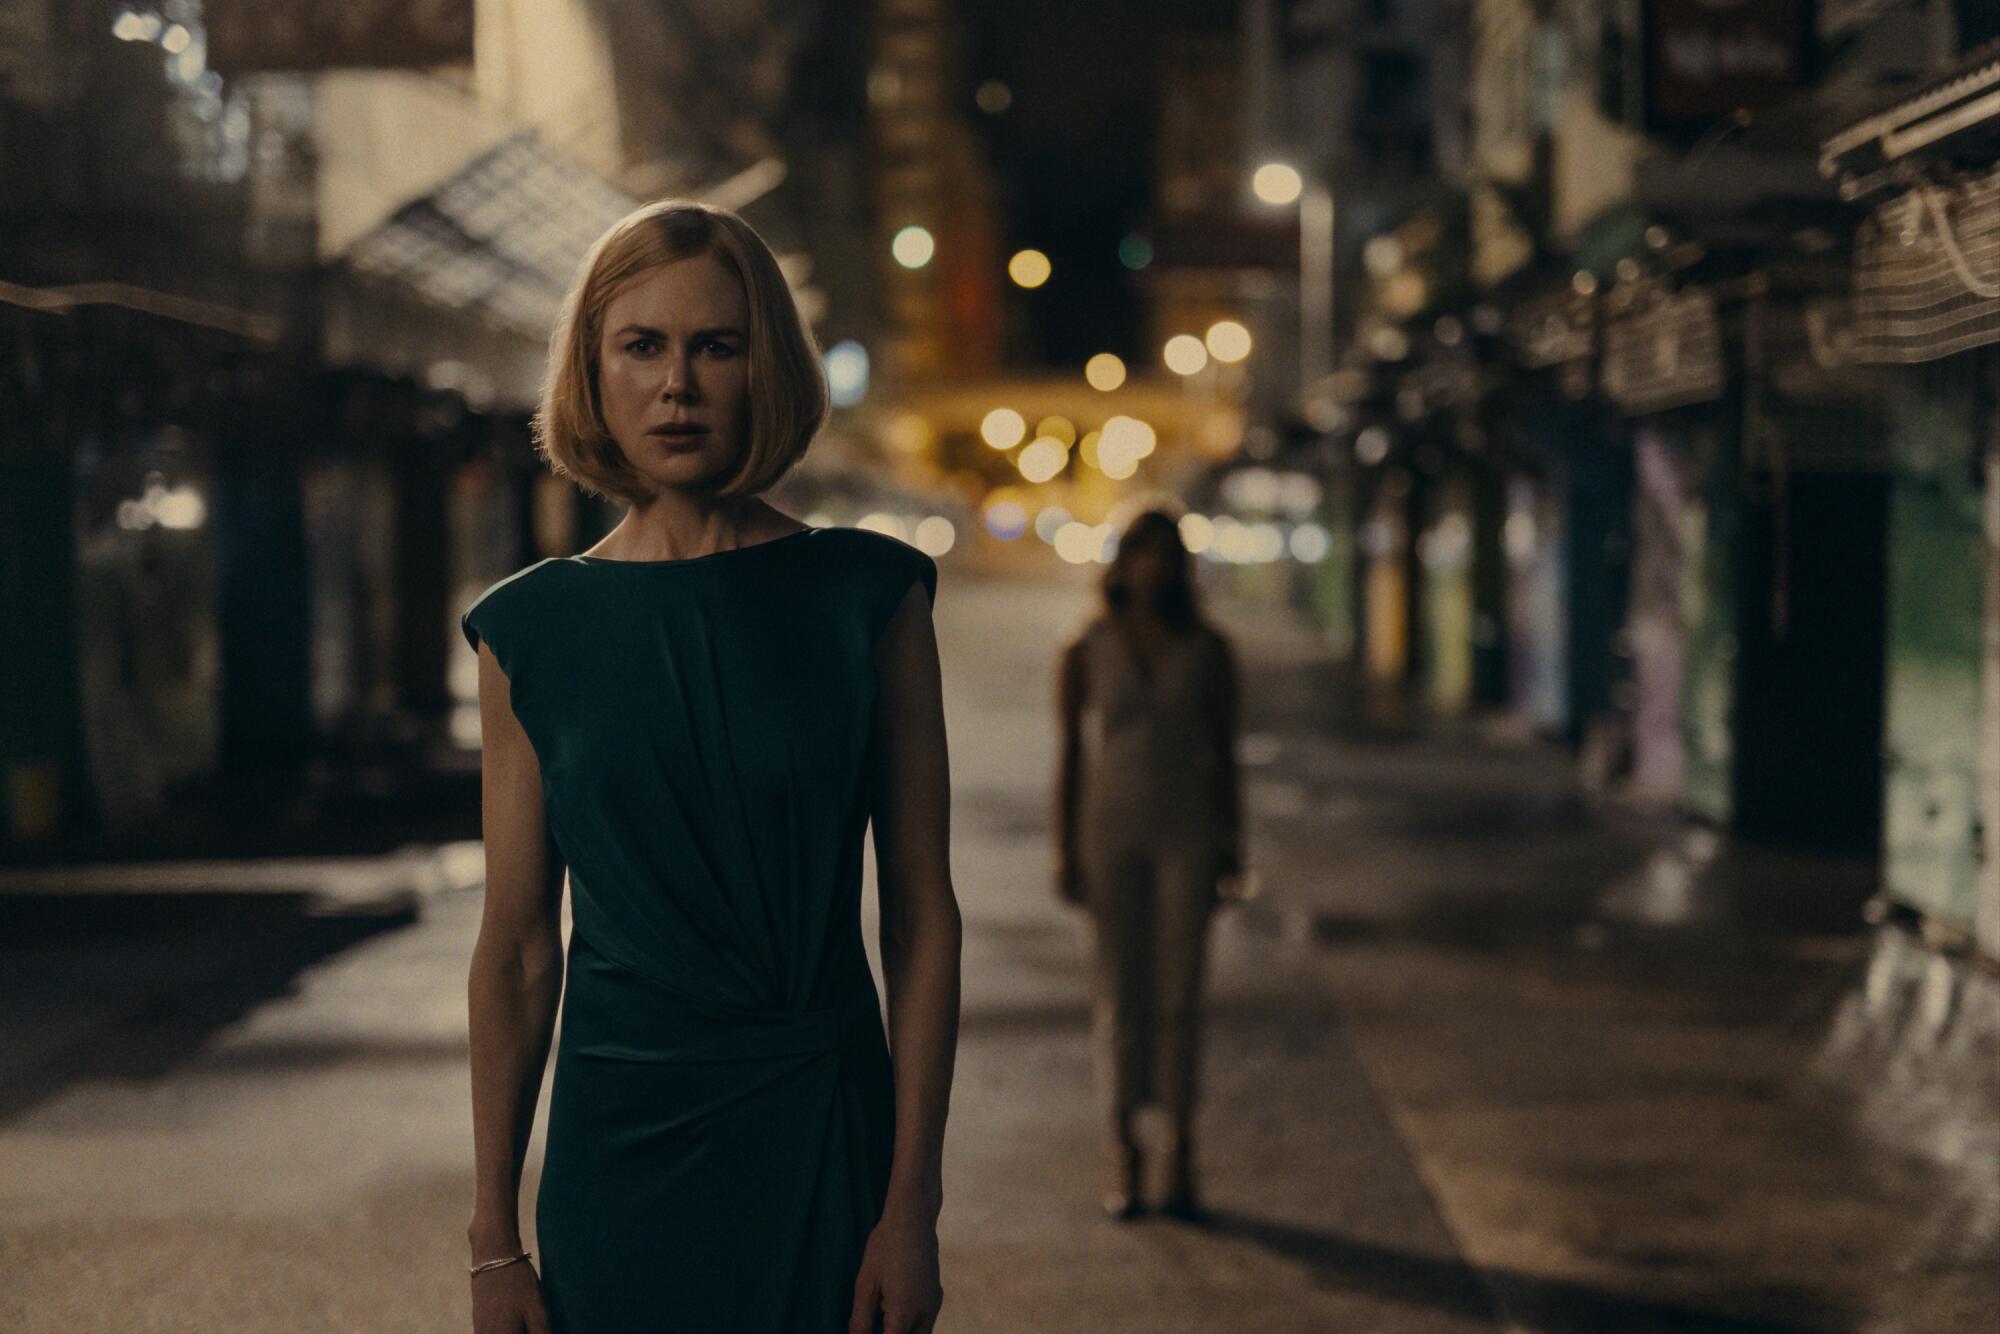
column 1927, row 271
column 1963, row 102
column 499, row 239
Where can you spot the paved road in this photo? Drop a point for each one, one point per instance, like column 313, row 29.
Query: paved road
column 1442, row 1093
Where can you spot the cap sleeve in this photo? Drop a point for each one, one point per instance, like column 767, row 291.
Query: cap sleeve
column 918, row 565
column 890, row 568
column 494, row 614
column 471, row 624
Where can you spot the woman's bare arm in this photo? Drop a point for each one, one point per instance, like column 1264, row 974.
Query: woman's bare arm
column 910, row 804
column 515, row 979
column 1069, row 759
column 1229, row 783
column 898, row 1286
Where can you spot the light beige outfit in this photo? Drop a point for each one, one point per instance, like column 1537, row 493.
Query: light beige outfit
column 1151, row 826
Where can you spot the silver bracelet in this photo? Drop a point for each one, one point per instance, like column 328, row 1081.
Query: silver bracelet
column 495, row 1264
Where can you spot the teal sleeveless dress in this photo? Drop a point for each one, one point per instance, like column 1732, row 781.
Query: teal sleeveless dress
column 722, row 1112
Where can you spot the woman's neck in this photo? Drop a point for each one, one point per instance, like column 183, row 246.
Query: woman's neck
column 688, row 526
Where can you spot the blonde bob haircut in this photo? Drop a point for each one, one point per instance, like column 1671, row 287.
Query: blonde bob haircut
column 788, row 393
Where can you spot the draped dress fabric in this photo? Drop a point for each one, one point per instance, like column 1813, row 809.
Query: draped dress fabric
column 722, row 1111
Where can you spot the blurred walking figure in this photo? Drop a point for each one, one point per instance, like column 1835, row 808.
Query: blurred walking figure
column 1148, row 838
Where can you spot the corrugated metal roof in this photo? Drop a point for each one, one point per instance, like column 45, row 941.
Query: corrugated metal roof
column 500, row 239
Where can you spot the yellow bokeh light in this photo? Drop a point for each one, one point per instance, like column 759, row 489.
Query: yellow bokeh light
column 1003, row 428
column 1277, row 183
column 913, row 247
column 1128, row 435
column 934, row 535
column 1227, row 341
column 1116, row 466
column 1184, row 354
column 1104, row 371
column 1122, row 443
column 1077, row 542
column 1059, row 427
column 1086, row 448
column 1042, row 458
column 909, row 433
column 1029, row 268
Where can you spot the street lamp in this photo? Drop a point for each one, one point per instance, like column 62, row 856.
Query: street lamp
column 1278, row 184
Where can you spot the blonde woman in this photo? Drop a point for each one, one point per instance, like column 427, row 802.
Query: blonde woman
column 1148, row 839
column 691, row 724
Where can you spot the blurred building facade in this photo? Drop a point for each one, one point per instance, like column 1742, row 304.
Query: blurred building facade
column 1663, row 419
column 1662, row 402
column 276, row 298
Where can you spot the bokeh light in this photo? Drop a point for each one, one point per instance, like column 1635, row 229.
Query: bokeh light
column 1310, row 543
column 1086, row 448
column 934, row 535
column 1121, row 443
column 1105, row 371
column 909, row 433
column 1079, row 543
column 993, row 97
column 847, row 373
column 1029, row 268
column 1277, row 183
column 1003, row 428
column 1227, row 341
column 1042, row 458
column 913, row 247
column 1184, row 354
column 1006, row 518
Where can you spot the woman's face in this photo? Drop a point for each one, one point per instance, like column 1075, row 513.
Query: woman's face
column 1149, row 566
column 675, row 350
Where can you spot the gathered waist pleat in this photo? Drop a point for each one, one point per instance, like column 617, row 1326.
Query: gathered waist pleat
column 613, row 1013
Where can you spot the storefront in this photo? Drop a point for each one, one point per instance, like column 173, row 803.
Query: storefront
column 1924, row 319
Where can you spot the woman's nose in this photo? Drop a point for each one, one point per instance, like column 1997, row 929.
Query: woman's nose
column 676, row 378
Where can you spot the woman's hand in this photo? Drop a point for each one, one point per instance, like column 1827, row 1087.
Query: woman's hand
column 897, row 1290
column 1228, row 880
column 508, row 1300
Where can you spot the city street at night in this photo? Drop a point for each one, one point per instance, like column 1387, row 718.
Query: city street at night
column 956, row 667
column 1446, row 1092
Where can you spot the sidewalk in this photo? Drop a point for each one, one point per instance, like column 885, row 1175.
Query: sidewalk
column 1601, row 1036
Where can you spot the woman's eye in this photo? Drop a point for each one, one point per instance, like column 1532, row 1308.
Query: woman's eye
column 638, row 344
column 722, row 347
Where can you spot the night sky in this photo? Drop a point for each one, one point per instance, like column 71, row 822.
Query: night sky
column 1073, row 153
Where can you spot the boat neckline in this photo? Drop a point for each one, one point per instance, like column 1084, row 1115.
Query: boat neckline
column 708, row 555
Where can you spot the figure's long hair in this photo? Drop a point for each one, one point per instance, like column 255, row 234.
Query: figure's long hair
column 1176, row 605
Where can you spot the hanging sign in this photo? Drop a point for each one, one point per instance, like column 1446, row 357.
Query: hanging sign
column 1708, row 58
